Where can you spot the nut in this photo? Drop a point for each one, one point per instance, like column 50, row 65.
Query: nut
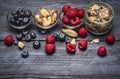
column 73, row 41
column 21, row 45
column 47, row 17
column 70, row 32
column 44, row 12
column 99, row 13
column 97, row 40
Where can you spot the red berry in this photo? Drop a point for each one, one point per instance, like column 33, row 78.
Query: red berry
column 65, row 8
column 110, row 39
column 8, row 40
column 102, row 51
column 70, row 48
column 82, row 32
column 82, row 44
column 50, row 39
column 80, row 13
column 71, row 13
column 65, row 20
column 75, row 21
column 50, row 48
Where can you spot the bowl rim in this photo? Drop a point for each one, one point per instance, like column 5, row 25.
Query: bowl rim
column 44, row 27
column 69, row 26
column 104, row 4
column 19, row 27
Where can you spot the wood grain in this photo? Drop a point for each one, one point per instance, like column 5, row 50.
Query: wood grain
column 61, row 65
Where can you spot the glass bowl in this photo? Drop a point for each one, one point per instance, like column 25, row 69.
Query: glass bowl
column 37, row 12
column 99, row 28
column 69, row 26
column 14, row 12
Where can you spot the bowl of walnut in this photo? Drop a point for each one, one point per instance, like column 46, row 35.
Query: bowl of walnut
column 99, row 18
column 45, row 18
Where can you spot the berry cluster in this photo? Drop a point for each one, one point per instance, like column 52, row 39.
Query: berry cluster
column 72, row 16
column 20, row 17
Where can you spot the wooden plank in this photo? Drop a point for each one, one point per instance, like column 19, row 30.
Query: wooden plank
column 83, row 63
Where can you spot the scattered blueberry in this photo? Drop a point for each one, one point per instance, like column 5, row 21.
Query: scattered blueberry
column 16, row 42
column 67, row 40
column 25, row 32
column 25, row 54
column 36, row 44
column 27, row 37
column 19, row 37
column 62, row 37
column 33, row 35
column 56, row 34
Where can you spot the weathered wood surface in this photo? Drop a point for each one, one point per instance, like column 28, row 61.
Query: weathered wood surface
column 83, row 64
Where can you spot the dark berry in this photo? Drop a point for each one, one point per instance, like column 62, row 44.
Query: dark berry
column 33, row 35
column 15, row 16
column 25, row 20
column 20, row 10
column 28, row 13
column 22, row 15
column 12, row 20
column 20, row 19
column 25, row 32
column 56, row 34
column 27, row 37
column 25, row 54
column 16, row 42
column 17, row 23
column 67, row 40
column 62, row 37
column 36, row 44
column 19, row 36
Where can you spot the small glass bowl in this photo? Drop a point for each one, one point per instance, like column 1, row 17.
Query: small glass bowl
column 22, row 26
column 37, row 12
column 99, row 28
column 69, row 26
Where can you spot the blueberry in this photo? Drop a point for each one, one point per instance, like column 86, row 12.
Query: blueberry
column 27, row 37
column 56, row 34
column 11, row 20
column 62, row 37
column 25, row 54
column 21, row 24
column 67, row 40
column 25, row 32
column 20, row 19
column 33, row 35
column 19, row 36
column 15, row 16
column 25, row 20
column 17, row 23
column 16, row 42
column 21, row 10
column 22, row 15
column 28, row 13
column 36, row 44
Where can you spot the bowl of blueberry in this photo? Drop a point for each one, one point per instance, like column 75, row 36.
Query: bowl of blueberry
column 19, row 18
